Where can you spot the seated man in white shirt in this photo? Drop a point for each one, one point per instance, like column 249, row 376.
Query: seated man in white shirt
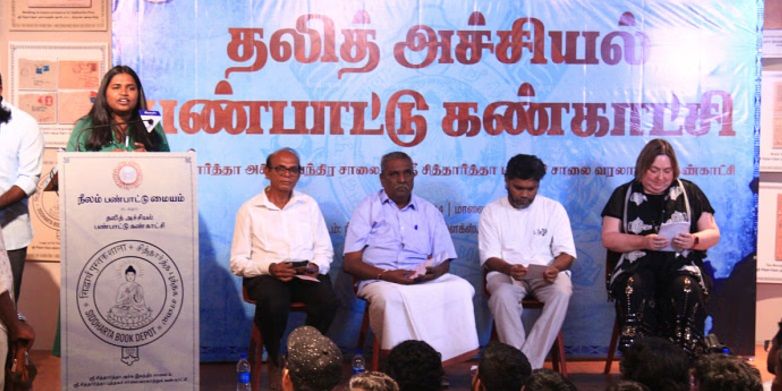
column 518, row 234
column 399, row 246
column 282, row 248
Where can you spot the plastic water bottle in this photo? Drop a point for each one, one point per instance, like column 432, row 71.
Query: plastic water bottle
column 243, row 373
column 358, row 363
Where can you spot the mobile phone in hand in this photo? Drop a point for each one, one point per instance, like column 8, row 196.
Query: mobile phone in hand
column 300, row 266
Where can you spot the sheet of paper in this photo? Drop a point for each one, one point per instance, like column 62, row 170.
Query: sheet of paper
column 535, row 271
column 421, row 269
column 306, row 278
column 670, row 230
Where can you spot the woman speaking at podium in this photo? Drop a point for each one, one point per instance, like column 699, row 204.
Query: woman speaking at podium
column 114, row 123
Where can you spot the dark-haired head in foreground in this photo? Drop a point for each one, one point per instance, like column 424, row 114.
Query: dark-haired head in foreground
column 372, row 381
column 314, row 361
column 718, row 372
column 503, row 368
column 544, row 379
column 627, row 385
column 415, row 366
column 657, row 363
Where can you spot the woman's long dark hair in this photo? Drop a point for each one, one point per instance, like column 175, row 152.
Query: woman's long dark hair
column 102, row 120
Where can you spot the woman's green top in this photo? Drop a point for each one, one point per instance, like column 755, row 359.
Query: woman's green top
column 81, row 133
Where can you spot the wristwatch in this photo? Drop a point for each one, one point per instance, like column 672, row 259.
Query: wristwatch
column 697, row 240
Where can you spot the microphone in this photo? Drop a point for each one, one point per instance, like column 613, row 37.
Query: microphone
column 146, row 123
column 150, row 118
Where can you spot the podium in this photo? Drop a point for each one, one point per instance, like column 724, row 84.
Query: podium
column 129, row 255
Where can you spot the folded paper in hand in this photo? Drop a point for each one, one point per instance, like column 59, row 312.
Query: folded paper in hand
column 535, row 271
column 670, row 230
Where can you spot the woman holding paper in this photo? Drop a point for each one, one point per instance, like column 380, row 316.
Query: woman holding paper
column 657, row 229
column 114, row 122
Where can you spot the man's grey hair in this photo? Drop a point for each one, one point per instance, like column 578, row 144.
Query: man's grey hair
column 396, row 155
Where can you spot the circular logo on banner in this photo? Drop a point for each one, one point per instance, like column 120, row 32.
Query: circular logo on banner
column 129, row 293
column 46, row 206
column 128, row 175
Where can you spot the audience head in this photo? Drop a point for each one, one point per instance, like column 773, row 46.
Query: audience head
column 415, row 366
column 503, row 368
column 544, row 379
column 657, row 363
column 719, row 372
column 314, row 361
column 372, row 381
column 627, row 385
column 774, row 359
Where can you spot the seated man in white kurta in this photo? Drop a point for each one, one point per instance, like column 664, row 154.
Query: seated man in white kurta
column 398, row 245
column 516, row 231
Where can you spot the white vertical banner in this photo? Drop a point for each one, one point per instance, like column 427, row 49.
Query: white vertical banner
column 129, row 301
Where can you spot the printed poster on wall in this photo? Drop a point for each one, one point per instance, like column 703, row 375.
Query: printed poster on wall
column 59, row 15
column 771, row 122
column 772, row 29
column 770, row 244
column 129, row 297
column 56, row 83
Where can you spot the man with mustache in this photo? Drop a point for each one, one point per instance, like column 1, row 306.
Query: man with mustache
column 517, row 233
column 21, row 157
column 398, row 246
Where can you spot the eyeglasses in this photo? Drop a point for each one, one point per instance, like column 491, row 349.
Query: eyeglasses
column 281, row 170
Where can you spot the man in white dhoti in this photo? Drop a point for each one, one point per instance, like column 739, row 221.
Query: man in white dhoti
column 526, row 245
column 398, row 245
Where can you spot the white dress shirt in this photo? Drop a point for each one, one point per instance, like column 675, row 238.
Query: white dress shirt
column 265, row 234
column 21, row 158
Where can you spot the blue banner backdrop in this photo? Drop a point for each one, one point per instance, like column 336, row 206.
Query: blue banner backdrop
column 461, row 86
